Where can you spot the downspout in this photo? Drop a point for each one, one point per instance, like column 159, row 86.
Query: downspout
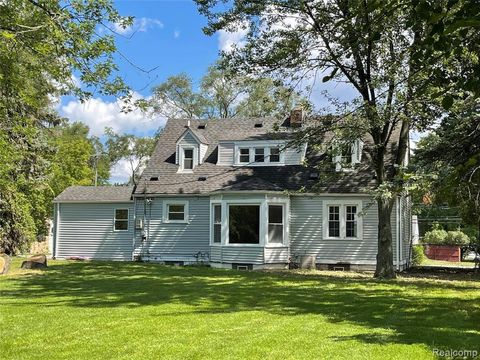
column 397, row 232
column 134, row 225
column 56, row 216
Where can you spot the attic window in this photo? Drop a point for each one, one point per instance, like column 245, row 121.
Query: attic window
column 154, row 178
column 258, row 125
column 202, row 126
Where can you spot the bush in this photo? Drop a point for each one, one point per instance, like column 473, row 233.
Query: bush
column 418, row 255
column 435, row 237
column 442, row 237
column 457, row 237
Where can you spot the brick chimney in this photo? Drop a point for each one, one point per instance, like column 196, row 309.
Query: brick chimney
column 296, row 117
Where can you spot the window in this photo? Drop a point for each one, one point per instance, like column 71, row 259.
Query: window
column 244, row 224
column 175, row 211
column 275, row 224
column 244, row 155
column 259, row 154
column 217, row 224
column 188, row 159
column 334, row 221
column 121, row 220
column 342, row 219
column 351, row 221
column 346, row 156
column 274, row 154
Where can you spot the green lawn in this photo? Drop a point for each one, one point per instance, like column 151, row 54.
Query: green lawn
column 462, row 264
column 97, row 310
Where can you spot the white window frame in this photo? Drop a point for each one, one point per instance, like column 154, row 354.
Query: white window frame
column 356, row 156
column 249, row 155
column 115, row 219
column 342, row 204
column 181, row 158
column 266, row 153
column 212, row 222
column 166, row 205
column 261, row 230
column 284, row 224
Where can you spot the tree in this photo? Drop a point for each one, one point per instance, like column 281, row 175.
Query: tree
column 452, row 153
column 223, row 95
column 135, row 150
column 377, row 47
column 43, row 43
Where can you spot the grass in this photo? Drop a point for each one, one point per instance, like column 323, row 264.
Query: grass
column 463, row 264
column 102, row 310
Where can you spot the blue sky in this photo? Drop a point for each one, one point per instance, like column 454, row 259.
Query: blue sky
column 167, row 37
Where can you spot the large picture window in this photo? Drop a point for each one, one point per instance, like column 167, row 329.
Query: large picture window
column 121, row 220
column 275, row 224
column 244, row 224
column 217, row 224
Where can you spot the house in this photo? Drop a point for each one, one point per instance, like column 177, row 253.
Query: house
column 231, row 193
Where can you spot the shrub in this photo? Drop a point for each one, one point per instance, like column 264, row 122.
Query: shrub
column 435, row 237
column 457, row 237
column 418, row 255
column 442, row 237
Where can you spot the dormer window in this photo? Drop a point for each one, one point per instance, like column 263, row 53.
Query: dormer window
column 274, row 154
column 259, row 154
column 348, row 154
column 188, row 159
column 244, row 155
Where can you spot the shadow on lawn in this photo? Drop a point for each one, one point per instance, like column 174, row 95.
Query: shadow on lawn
column 414, row 309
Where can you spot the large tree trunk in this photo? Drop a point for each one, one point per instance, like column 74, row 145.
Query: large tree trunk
column 385, row 267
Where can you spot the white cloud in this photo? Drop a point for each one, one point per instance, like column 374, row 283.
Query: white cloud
column 98, row 114
column 142, row 24
column 228, row 39
column 176, row 34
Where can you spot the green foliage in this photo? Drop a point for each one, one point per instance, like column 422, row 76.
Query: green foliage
column 442, row 237
column 457, row 238
column 224, row 95
column 42, row 44
column 135, row 150
column 418, row 255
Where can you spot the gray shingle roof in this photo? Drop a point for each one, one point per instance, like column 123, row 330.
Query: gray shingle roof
column 95, row 194
column 209, row 177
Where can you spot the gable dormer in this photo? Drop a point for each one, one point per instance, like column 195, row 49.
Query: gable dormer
column 347, row 155
column 190, row 151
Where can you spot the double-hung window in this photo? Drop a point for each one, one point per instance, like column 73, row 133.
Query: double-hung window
column 342, row 220
column 217, row 224
column 188, row 159
column 244, row 155
column 274, row 154
column 175, row 211
column 121, row 220
column 275, row 224
column 259, row 154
